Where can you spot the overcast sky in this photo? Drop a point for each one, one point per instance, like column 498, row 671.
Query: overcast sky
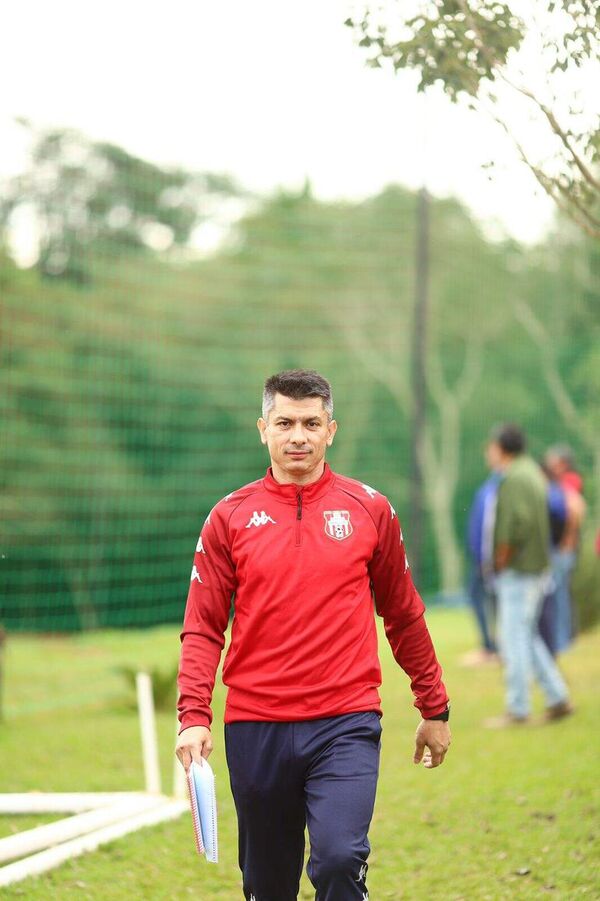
column 270, row 92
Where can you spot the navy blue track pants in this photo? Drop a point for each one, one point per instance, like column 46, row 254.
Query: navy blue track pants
column 316, row 773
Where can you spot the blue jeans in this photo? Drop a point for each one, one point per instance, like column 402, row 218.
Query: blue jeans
column 556, row 620
column 319, row 773
column 481, row 603
column 520, row 598
column 562, row 567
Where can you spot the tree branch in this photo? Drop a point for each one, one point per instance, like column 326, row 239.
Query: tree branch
column 560, row 395
column 557, row 129
column 471, row 371
column 552, row 120
column 544, row 180
column 375, row 363
column 436, row 383
column 591, row 219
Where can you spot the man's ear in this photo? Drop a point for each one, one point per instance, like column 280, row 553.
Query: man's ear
column 261, row 426
column 332, row 430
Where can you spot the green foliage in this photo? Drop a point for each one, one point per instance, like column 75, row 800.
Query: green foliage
column 467, row 47
column 585, row 584
column 91, row 197
column 129, row 409
column 450, row 42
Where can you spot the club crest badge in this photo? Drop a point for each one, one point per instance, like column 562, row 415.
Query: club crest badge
column 337, row 524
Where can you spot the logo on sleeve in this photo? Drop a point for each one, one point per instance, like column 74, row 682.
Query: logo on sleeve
column 370, row 491
column 200, row 547
column 337, row 524
column 195, row 575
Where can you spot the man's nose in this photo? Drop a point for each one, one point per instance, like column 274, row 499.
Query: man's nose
column 297, row 436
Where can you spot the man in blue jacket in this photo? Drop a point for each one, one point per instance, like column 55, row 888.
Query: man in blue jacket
column 480, row 540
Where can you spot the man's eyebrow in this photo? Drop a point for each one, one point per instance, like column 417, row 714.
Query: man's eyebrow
column 304, row 418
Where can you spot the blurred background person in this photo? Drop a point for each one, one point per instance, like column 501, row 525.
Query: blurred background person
column 522, row 562
column 559, row 624
column 557, row 514
column 480, row 545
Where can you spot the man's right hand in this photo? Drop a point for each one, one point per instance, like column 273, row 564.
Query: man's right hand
column 193, row 743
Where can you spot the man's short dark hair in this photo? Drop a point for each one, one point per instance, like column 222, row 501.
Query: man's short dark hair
column 297, row 384
column 509, row 437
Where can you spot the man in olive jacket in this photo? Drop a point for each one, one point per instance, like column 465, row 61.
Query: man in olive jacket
column 522, row 563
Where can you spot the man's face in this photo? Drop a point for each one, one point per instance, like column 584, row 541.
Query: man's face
column 297, row 435
column 494, row 456
column 555, row 465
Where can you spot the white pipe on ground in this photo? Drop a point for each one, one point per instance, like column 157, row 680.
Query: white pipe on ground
column 52, row 857
column 60, row 802
column 148, row 732
column 31, row 840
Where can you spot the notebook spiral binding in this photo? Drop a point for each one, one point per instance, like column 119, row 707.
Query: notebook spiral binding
column 195, row 812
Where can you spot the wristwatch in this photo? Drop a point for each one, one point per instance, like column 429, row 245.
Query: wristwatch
column 444, row 715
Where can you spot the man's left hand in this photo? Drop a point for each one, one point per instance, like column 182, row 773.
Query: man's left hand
column 433, row 735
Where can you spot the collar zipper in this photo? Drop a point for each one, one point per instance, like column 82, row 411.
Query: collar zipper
column 298, row 517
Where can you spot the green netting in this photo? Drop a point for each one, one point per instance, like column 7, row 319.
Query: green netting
column 131, row 383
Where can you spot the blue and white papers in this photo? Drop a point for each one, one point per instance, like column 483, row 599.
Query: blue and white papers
column 201, row 785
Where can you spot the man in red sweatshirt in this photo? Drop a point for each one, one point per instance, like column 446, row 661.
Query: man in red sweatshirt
column 304, row 552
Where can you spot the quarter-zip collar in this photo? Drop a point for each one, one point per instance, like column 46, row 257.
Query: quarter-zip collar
column 288, row 491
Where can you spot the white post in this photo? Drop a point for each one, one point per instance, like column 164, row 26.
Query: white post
column 148, row 732
column 179, row 780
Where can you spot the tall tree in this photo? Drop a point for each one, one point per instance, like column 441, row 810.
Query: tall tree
column 504, row 59
column 419, row 378
column 87, row 195
column 379, row 336
column 555, row 304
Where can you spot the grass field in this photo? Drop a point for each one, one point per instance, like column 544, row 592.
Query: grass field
column 510, row 814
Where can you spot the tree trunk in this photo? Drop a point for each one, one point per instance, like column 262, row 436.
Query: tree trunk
column 441, row 479
column 419, row 387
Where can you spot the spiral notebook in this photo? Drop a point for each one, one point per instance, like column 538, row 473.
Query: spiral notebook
column 201, row 786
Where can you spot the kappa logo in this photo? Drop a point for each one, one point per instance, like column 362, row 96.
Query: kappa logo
column 406, row 563
column 337, row 524
column 260, row 519
column 362, row 873
column 392, row 511
column 370, row 491
column 195, row 575
column 200, row 547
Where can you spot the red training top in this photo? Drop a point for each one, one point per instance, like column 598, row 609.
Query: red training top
column 304, row 563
